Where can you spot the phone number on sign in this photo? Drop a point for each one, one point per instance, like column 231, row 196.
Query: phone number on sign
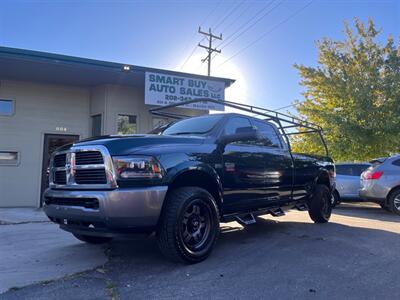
column 176, row 98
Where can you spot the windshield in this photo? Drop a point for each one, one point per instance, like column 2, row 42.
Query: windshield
column 196, row 125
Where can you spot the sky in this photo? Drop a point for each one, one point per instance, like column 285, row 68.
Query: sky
column 261, row 39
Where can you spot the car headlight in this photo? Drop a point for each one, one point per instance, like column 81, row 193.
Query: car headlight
column 135, row 167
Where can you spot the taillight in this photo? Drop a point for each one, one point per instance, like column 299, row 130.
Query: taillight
column 370, row 175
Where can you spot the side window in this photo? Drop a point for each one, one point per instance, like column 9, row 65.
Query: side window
column 234, row 123
column 396, row 162
column 268, row 133
column 343, row 170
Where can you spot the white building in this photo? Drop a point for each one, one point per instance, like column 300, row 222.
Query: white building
column 47, row 100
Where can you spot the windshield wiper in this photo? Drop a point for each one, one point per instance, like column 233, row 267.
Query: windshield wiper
column 186, row 132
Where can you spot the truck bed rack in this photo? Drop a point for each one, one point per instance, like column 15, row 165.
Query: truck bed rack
column 287, row 125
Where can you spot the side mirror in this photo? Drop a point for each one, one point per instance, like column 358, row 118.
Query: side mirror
column 242, row 134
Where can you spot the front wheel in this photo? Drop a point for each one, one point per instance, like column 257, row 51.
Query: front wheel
column 92, row 239
column 189, row 225
column 320, row 204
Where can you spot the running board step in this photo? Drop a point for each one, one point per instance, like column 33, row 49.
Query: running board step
column 302, row 207
column 278, row 212
column 246, row 219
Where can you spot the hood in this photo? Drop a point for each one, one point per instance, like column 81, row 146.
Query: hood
column 128, row 144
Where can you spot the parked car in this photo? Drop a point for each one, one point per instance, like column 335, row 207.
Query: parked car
column 380, row 183
column 348, row 181
column 181, row 184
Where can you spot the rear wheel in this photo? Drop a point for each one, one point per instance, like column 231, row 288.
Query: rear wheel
column 92, row 239
column 189, row 225
column 320, row 204
column 394, row 201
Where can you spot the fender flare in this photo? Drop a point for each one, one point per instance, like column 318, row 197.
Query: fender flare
column 190, row 166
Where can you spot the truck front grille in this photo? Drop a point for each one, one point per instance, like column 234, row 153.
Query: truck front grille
column 60, row 177
column 88, row 158
column 60, row 160
column 90, row 176
column 82, row 167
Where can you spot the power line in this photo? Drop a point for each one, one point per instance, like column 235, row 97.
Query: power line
column 201, row 24
column 266, row 33
column 253, row 24
column 210, row 14
column 220, row 23
column 246, row 23
column 190, row 55
column 237, row 17
column 228, row 14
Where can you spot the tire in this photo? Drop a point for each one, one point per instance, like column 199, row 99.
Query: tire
column 336, row 198
column 394, row 201
column 320, row 204
column 189, row 225
column 92, row 239
column 385, row 207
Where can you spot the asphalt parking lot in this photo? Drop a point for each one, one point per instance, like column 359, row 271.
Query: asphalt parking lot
column 354, row 256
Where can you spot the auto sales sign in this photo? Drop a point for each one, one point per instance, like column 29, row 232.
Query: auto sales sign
column 163, row 89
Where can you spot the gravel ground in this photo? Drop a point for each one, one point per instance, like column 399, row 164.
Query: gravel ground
column 355, row 256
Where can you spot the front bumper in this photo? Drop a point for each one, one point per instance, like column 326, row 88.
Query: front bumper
column 105, row 213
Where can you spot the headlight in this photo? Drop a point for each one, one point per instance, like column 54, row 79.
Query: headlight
column 131, row 167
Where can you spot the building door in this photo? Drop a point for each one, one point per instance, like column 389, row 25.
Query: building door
column 51, row 143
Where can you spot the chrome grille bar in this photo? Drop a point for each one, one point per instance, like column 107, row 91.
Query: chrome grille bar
column 81, row 171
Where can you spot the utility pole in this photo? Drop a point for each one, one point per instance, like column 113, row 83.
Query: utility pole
column 209, row 49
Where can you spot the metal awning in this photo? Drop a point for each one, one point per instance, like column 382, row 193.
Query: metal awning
column 28, row 65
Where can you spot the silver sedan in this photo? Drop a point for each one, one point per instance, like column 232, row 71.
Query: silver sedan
column 381, row 183
column 348, row 181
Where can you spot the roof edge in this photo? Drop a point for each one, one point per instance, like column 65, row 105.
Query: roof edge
column 39, row 55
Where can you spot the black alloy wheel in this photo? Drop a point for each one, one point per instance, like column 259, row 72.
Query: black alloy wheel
column 196, row 225
column 189, row 225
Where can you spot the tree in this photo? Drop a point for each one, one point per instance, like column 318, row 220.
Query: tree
column 354, row 94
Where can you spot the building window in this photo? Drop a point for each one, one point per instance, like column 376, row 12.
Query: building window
column 127, row 124
column 96, row 125
column 6, row 107
column 9, row 158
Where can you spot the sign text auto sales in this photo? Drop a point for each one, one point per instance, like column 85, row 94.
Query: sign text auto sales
column 163, row 89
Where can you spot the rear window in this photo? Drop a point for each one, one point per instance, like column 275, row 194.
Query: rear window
column 343, row 170
column 270, row 138
column 351, row 170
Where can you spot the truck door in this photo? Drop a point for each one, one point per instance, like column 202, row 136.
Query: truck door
column 278, row 165
column 243, row 170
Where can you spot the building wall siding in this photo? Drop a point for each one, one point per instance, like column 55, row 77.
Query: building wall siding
column 39, row 109
column 46, row 108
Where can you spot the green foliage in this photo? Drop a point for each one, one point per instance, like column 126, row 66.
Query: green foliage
column 354, row 94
